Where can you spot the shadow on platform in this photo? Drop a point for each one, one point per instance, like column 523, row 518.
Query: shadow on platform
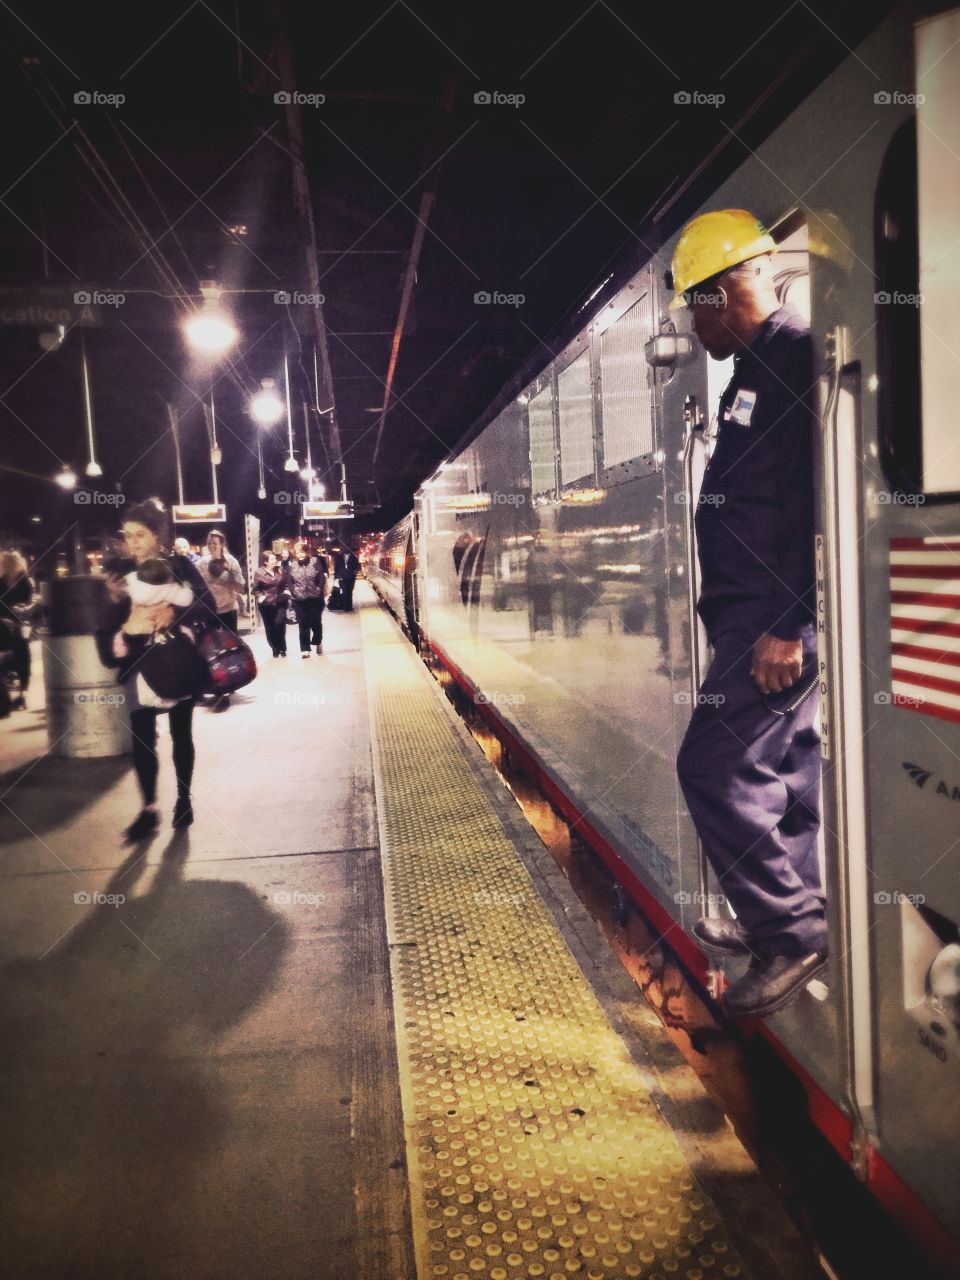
column 112, row 1101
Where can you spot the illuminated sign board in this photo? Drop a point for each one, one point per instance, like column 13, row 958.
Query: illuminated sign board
column 200, row 513
column 328, row 511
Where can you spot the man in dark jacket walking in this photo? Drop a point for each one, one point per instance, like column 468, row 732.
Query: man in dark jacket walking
column 307, row 581
column 348, row 577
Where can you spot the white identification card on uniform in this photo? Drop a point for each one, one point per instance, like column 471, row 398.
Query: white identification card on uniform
column 741, row 411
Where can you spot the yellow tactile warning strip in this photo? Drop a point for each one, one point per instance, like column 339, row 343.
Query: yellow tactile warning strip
column 533, row 1146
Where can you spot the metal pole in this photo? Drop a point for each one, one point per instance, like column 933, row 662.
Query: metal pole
column 286, row 388
column 306, row 432
column 87, row 401
column 213, row 444
column 172, row 414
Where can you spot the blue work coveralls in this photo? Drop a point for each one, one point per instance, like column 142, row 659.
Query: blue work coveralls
column 750, row 776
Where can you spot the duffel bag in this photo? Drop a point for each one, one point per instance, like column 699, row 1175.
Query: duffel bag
column 229, row 660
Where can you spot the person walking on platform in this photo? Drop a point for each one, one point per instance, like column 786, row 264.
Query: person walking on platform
column 271, row 587
column 306, row 580
column 348, row 577
column 222, row 573
column 16, row 600
column 128, row 635
column 749, row 765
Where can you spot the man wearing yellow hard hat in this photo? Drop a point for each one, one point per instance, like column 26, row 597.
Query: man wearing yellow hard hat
column 749, row 765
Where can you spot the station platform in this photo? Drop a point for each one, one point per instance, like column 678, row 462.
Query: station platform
column 351, row 1025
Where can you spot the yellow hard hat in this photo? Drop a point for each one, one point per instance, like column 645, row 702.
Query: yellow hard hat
column 713, row 243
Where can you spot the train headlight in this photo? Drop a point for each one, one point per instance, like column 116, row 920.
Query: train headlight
column 943, row 982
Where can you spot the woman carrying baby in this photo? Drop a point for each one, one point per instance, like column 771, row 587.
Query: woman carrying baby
column 151, row 605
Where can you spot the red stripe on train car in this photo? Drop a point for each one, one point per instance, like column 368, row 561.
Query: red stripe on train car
column 906, row 702
column 941, row 684
column 951, row 657
column 926, row 570
column 928, row 626
column 937, row 598
column 925, row 544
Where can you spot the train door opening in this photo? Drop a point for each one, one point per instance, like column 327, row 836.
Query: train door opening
column 411, row 607
column 793, row 285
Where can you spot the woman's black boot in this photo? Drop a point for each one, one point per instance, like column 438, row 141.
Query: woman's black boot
column 142, row 826
column 183, row 812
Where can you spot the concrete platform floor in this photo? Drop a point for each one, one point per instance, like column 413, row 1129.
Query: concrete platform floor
column 199, row 1080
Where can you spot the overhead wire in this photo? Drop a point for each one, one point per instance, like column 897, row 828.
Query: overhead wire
column 98, row 167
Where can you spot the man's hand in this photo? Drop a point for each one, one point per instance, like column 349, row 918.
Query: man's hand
column 776, row 663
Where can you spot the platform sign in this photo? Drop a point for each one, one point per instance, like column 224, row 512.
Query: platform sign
column 38, row 306
column 328, row 511
column 200, row 513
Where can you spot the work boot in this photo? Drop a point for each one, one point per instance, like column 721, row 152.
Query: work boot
column 773, row 983
column 722, row 935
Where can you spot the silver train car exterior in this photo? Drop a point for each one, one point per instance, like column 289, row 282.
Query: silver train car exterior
column 550, row 565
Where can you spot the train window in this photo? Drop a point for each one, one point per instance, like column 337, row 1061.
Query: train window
column 898, row 327
column 918, row 274
column 938, row 197
column 543, row 448
column 796, row 293
column 626, row 398
column 575, row 389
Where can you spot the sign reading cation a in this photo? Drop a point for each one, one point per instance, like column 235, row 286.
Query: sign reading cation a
column 38, row 306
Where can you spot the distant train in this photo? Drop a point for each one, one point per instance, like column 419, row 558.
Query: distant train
column 550, row 565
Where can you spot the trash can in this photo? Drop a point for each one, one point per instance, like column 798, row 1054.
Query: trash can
column 86, row 707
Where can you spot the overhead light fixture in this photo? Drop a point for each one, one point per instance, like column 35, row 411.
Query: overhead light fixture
column 210, row 330
column 291, row 464
column 93, row 469
column 66, row 478
column 266, row 406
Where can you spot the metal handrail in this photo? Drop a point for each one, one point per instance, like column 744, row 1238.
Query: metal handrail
column 840, row 634
column 693, row 436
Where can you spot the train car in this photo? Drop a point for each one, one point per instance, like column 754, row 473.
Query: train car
column 550, row 565
column 391, row 571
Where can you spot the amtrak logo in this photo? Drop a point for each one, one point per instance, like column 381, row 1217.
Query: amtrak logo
column 921, row 777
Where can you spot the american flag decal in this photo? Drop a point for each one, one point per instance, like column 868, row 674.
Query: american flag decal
column 925, row 625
